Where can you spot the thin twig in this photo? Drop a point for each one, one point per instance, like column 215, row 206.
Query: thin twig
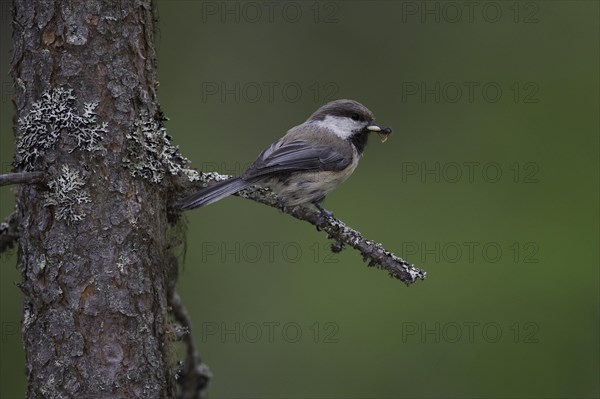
column 374, row 253
column 193, row 376
column 22, row 178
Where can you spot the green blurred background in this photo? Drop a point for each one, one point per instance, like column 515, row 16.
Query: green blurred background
column 510, row 307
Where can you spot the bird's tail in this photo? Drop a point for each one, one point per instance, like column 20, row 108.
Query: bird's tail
column 213, row 193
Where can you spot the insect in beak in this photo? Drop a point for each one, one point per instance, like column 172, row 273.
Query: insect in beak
column 384, row 134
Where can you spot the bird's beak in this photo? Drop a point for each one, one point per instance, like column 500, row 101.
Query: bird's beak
column 383, row 133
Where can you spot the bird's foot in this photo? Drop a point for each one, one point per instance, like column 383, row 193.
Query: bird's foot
column 321, row 221
column 324, row 215
column 323, row 211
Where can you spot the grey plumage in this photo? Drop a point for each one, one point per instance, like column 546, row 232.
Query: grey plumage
column 305, row 164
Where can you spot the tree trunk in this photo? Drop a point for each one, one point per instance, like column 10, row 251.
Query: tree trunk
column 93, row 244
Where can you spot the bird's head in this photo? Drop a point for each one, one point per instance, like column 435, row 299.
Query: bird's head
column 349, row 120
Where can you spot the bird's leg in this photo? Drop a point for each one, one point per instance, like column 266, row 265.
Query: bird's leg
column 324, row 213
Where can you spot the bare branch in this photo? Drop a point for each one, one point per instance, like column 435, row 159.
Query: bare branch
column 9, row 232
column 373, row 253
column 22, row 178
column 193, row 376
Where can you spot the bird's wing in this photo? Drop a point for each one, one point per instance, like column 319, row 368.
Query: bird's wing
column 296, row 156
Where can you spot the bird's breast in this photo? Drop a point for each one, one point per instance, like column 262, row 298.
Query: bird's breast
column 303, row 187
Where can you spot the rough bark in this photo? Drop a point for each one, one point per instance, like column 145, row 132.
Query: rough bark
column 94, row 284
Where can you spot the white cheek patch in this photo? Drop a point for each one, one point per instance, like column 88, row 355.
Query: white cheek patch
column 341, row 126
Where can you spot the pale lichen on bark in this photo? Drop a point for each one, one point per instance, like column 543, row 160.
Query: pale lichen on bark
column 151, row 155
column 67, row 195
column 54, row 117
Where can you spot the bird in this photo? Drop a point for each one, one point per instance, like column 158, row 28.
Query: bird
column 308, row 162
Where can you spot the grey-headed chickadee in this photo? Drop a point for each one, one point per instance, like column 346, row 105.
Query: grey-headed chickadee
column 308, row 162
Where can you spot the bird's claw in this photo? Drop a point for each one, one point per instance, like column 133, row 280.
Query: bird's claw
column 323, row 211
column 324, row 215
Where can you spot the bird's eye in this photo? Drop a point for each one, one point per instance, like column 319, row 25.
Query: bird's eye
column 355, row 117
